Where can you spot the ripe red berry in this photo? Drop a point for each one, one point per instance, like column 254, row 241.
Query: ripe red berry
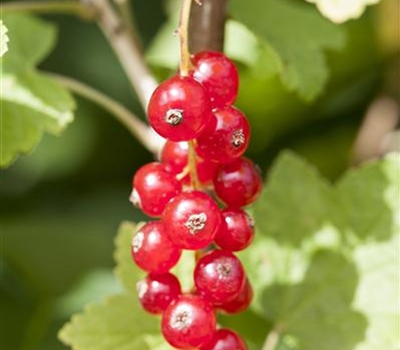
column 179, row 109
column 152, row 250
column 219, row 276
column 157, row 291
column 218, row 75
column 226, row 136
column 225, row 339
column 206, row 170
column 153, row 188
column 188, row 322
column 238, row 183
column 241, row 302
column 191, row 220
column 174, row 156
column 237, row 230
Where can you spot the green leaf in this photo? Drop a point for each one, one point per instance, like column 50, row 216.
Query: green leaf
column 3, row 39
column 32, row 104
column 24, row 31
column 118, row 323
column 342, row 10
column 368, row 199
column 298, row 36
column 283, row 191
column 377, row 295
column 332, row 284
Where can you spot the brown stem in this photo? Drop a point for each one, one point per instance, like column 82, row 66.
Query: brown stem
column 126, row 49
column 207, row 26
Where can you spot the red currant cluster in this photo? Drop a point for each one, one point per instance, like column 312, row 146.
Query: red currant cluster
column 195, row 114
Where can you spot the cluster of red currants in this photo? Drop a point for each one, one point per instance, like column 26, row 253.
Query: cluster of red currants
column 196, row 111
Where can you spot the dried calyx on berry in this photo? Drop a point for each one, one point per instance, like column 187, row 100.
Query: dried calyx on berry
column 202, row 160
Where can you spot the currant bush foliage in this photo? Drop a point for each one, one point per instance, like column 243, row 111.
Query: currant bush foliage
column 31, row 101
column 295, row 51
column 323, row 279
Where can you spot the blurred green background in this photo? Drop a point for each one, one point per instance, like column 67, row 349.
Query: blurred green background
column 61, row 205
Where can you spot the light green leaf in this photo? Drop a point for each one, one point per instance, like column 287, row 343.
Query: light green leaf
column 3, row 39
column 368, row 201
column 339, row 11
column 377, row 295
column 298, row 36
column 32, row 40
column 332, row 284
column 118, row 323
column 296, row 186
column 32, row 104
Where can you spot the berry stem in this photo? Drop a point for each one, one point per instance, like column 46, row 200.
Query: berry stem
column 193, row 166
column 185, row 62
column 273, row 337
column 126, row 49
column 145, row 135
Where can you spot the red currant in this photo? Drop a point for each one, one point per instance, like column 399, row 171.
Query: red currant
column 241, row 302
column 188, row 322
column 206, row 170
column 237, row 230
column 218, row 75
column 238, row 183
column 153, row 188
column 174, row 156
column 179, row 109
column 157, row 291
column 225, row 339
column 152, row 250
column 226, row 136
column 219, row 276
column 191, row 220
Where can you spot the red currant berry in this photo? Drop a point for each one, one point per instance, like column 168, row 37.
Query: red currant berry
column 153, row 188
column 188, row 322
column 226, row 136
column 179, row 109
column 206, row 170
column 157, row 291
column 174, row 156
column 219, row 276
column 238, row 183
column 237, row 230
column 218, row 75
column 225, row 339
column 152, row 250
column 191, row 220
column 241, row 302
